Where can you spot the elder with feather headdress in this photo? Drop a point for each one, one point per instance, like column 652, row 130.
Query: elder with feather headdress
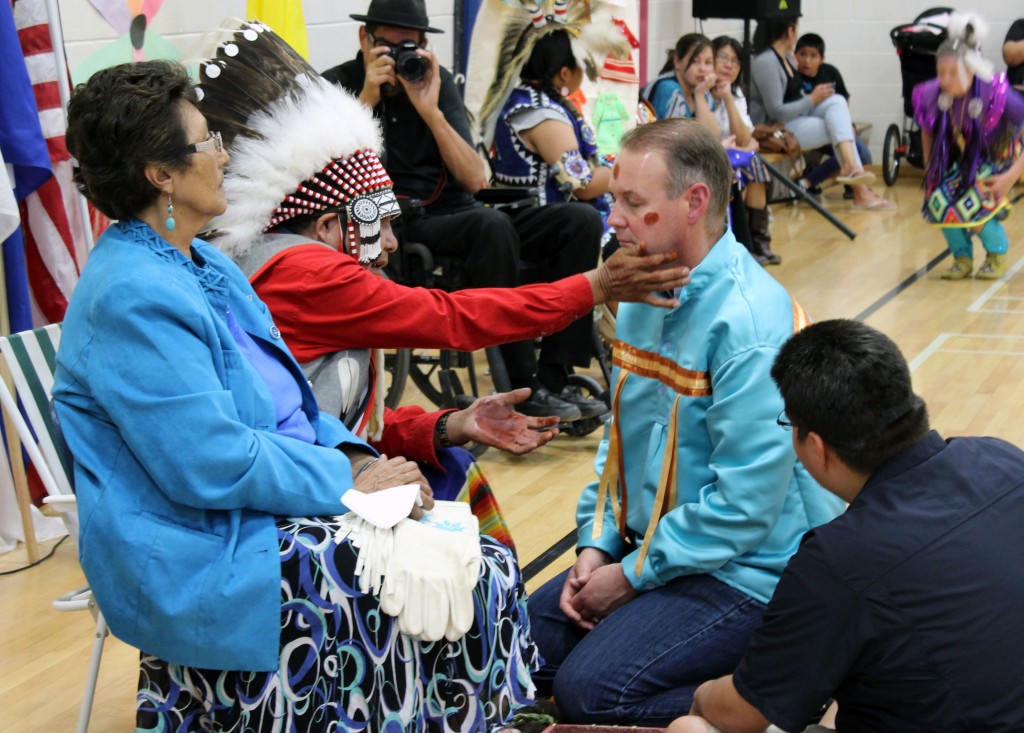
column 430, row 155
column 298, row 181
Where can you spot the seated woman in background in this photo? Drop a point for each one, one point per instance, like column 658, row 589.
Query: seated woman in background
column 734, row 122
column 819, row 118
column 541, row 138
column 334, row 309
column 683, row 88
column 209, row 481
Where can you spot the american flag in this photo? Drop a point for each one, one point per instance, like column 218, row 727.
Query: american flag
column 55, row 243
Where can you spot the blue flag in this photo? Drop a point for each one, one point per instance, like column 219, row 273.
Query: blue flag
column 21, row 137
column 24, row 148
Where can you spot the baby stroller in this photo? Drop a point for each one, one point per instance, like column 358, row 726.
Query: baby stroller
column 916, row 45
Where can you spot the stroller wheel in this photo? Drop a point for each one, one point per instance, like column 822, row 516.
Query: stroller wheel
column 890, row 155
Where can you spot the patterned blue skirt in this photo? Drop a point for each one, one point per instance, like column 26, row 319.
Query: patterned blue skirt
column 344, row 666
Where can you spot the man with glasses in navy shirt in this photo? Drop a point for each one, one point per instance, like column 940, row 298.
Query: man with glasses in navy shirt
column 906, row 609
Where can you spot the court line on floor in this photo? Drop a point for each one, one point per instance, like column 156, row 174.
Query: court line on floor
column 975, row 307
column 1001, row 311
column 930, row 349
column 549, row 555
column 942, row 338
column 983, row 352
column 539, row 563
column 995, row 286
column 917, row 275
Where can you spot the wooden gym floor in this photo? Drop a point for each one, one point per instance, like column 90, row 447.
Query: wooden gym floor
column 964, row 341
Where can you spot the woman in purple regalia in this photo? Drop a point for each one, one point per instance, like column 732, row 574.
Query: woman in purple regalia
column 971, row 127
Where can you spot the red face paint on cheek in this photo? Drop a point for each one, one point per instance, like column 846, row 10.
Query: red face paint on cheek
column 651, row 218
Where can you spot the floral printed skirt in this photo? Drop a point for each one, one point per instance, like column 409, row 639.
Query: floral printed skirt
column 344, row 666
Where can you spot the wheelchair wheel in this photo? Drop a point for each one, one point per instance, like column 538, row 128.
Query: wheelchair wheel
column 396, row 364
column 890, row 154
column 590, row 388
column 435, row 376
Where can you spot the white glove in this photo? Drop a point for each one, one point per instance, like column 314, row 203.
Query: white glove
column 375, row 547
column 429, row 586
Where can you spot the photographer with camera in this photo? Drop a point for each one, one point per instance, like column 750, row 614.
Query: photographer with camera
column 430, row 156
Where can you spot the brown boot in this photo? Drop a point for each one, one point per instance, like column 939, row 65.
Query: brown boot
column 761, row 236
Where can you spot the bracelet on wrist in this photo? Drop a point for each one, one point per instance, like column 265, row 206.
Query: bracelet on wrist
column 364, row 467
column 441, row 431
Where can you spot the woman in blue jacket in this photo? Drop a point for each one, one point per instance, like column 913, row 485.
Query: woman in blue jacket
column 209, row 483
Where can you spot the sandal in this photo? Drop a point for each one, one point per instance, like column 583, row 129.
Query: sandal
column 856, row 178
column 876, row 205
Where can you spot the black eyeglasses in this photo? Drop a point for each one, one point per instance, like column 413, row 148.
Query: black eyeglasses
column 212, row 142
column 783, row 422
column 375, row 41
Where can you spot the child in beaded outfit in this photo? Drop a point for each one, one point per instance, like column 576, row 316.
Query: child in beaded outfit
column 971, row 133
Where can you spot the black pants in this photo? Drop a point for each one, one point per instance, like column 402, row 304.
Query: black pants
column 559, row 239
column 739, row 218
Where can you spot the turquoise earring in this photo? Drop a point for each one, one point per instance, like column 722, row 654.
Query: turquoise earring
column 170, row 214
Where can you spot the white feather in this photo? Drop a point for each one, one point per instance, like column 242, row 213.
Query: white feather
column 958, row 22
column 601, row 37
column 300, row 135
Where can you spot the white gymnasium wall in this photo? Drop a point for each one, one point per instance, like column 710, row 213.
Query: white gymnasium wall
column 856, row 34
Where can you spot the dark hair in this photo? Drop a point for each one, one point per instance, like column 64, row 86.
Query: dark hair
column 121, row 120
column 851, row 385
column 551, row 53
column 301, row 223
column 689, row 46
column 692, row 154
column 811, row 40
column 721, row 42
column 772, row 29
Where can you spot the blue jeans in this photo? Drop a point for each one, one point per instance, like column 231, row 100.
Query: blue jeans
column 992, row 235
column 830, row 166
column 827, row 124
column 641, row 664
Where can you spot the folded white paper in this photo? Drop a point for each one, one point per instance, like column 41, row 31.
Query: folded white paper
column 384, row 508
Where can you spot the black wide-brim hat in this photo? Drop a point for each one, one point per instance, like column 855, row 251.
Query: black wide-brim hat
column 411, row 14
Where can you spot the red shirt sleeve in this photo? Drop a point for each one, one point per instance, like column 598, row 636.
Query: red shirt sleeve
column 323, row 300
column 409, row 432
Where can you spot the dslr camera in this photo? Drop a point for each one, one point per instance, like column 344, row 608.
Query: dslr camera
column 408, row 64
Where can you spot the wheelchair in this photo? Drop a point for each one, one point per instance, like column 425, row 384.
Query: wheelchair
column 448, row 378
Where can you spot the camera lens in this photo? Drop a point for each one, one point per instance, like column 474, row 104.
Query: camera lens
column 410, row 65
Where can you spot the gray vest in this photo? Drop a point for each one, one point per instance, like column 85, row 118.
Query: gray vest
column 341, row 379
